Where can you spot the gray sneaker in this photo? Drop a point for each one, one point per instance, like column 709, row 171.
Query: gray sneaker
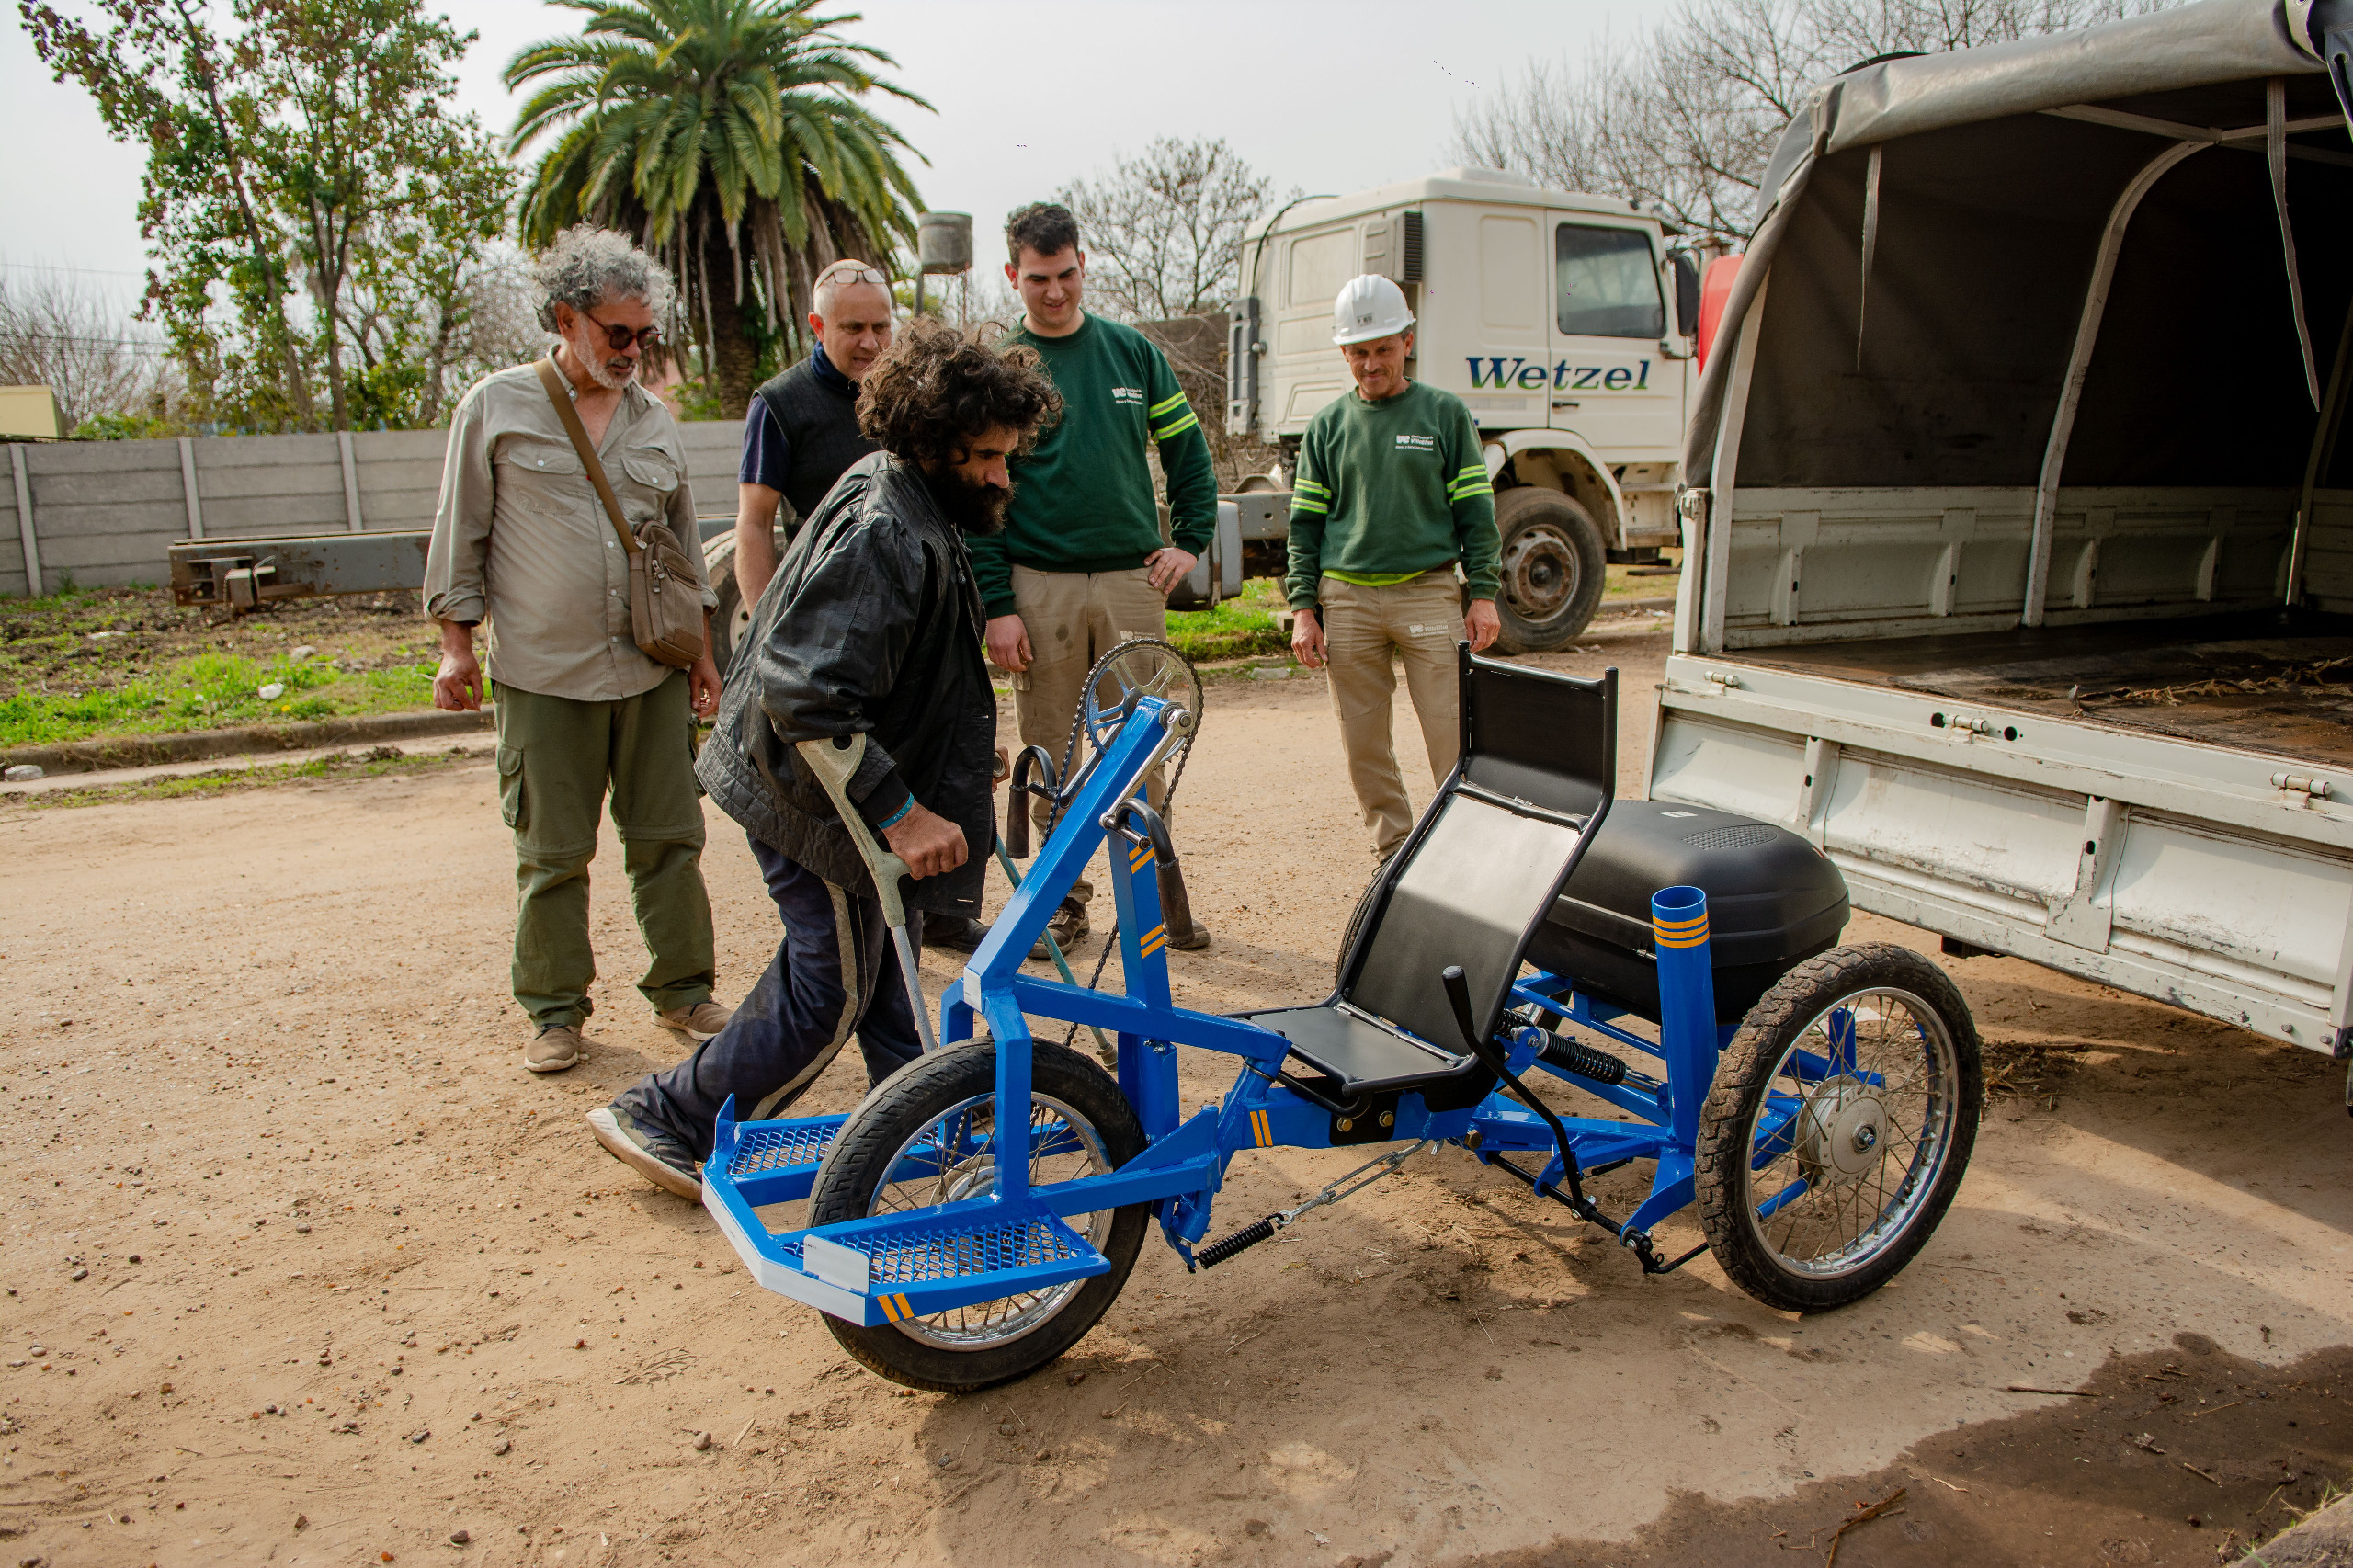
column 656, row 1155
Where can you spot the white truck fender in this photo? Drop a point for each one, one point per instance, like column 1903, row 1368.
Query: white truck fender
column 1512, row 443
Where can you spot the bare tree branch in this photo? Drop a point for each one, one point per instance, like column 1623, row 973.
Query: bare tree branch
column 1163, row 231
column 1680, row 118
column 63, row 336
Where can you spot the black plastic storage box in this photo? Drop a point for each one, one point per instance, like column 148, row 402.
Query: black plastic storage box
column 1774, row 900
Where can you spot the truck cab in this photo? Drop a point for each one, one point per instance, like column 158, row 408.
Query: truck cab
column 1565, row 321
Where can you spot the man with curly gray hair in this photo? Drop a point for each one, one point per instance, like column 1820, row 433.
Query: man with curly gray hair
column 522, row 540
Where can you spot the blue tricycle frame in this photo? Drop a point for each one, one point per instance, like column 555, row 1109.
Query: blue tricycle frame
column 1012, row 1237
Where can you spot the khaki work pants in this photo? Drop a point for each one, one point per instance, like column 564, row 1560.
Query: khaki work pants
column 557, row 760
column 1422, row 619
column 1074, row 618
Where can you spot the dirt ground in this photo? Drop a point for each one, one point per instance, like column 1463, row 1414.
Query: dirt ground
column 302, row 1267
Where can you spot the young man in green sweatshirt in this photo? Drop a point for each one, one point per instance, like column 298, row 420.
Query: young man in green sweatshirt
column 1080, row 566
column 1391, row 496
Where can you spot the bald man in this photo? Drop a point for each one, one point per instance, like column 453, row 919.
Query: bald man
column 801, row 429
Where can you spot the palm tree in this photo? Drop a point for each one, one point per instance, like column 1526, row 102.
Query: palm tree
column 728, row 136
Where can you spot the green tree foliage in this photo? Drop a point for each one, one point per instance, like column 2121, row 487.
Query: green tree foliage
column 728, row 137
column 314, row 209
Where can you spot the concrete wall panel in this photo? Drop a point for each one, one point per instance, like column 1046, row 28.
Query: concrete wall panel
column 107, row 511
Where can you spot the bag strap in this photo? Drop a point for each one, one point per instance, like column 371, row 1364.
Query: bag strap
column 551, row 379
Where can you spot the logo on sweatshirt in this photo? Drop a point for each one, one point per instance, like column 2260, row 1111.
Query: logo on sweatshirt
column 1417, row 443
column 1128, row 397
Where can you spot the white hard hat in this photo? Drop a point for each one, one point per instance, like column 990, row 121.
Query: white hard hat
column 1369, row 306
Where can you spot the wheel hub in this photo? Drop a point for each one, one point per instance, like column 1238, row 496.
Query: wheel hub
column 1540, row 571
column 1840, row 1131
column 972, row 1177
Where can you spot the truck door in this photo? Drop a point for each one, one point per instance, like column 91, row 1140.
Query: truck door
column 1608, row 382
column 1495, row 362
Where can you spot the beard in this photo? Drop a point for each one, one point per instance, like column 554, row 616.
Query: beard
column 609, row 370
column 973, row 508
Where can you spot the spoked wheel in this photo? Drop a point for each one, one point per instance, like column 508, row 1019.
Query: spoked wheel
column 928, row 1135
column 1841, row 1120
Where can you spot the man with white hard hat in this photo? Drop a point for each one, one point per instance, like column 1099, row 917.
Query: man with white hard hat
column 1390, row 496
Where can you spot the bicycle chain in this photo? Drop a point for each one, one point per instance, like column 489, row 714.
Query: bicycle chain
column 1070, row 753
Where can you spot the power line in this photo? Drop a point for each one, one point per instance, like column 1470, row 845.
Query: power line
column 85, row 271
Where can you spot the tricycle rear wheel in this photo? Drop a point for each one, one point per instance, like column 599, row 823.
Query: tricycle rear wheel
column 1839, row 1126
column 886, row 1159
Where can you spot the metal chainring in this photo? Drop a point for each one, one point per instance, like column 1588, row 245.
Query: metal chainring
column 1148, row 667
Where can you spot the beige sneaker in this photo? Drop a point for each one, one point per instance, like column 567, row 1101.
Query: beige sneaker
column 554, row 1049
column 702, row 1020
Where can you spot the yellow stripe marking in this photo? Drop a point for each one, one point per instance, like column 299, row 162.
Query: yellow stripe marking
column 1139, row 859
column 1260, row 1130
column 1150, row 947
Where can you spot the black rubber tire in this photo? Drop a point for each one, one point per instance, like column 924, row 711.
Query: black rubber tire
column 914, row 1095
column 1547, row 537
column 1742, row 1077
column 1357, row 917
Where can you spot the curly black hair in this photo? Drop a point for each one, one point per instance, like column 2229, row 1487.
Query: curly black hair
column 933, row 390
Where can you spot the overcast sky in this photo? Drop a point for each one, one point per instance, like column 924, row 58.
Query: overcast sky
column 1322, row 95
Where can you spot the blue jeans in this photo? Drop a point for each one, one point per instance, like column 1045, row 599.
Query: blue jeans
column 835, row 974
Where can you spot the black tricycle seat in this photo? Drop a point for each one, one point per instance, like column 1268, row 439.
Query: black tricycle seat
column 1774, row 900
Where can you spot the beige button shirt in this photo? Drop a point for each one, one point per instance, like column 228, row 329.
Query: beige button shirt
column 522, row 542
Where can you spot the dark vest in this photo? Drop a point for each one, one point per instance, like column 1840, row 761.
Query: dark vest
column 821, row 425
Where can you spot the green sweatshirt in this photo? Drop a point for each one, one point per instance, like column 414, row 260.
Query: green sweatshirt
column 1083, row 501
column 1386, row 491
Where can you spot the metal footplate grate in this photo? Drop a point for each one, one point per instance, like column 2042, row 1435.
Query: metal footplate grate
column 911, row 1265
column 776, row 1161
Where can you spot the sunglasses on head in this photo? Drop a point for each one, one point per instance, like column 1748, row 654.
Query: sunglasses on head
column 844, row 272
column 647, row 337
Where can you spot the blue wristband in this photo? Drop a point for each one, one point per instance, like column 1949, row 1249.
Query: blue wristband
column 887, row 824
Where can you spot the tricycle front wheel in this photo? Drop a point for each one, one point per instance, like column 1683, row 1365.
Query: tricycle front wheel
column 1842, row 1118
column 928, row 1135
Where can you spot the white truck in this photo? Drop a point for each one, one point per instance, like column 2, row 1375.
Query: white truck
column 2018, row 540
column 1565, row 321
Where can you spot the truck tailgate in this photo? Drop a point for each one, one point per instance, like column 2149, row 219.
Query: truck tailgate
column 2217, row 879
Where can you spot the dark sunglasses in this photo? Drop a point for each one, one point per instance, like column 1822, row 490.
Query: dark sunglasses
column 647, row 339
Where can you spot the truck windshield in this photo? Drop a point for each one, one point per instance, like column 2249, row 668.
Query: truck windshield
column 1609, row 285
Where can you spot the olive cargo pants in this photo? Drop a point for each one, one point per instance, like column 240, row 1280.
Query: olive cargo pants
column 556, row 760
column 1422, row 619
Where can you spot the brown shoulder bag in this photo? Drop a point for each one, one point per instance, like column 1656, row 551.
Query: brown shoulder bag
column 665, row 589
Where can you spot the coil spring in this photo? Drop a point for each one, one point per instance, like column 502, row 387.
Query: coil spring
column 1575, row 1056
column 1249, row 1236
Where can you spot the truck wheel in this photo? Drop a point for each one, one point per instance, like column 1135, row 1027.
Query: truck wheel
column 889, row 1156
column 1553, row 569
column 1841, row 1120
column 732, row 618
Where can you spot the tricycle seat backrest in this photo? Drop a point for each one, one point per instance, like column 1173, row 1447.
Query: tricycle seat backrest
column 1483, row 865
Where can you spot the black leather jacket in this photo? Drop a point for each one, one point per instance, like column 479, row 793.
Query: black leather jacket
column 872, row 624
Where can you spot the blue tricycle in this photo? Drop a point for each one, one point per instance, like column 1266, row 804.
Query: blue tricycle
column 1818, row 1102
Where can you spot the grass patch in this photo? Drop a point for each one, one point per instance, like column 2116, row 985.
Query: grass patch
column 378, row 763
column 96, row 664
column 1237, row 628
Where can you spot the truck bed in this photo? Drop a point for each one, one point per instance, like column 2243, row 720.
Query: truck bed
column 2273, row 683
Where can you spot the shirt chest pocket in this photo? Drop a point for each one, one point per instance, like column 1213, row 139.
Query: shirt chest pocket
column 649, row 477
column 545, row 475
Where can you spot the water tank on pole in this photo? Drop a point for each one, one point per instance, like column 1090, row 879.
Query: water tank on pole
column 944, row 242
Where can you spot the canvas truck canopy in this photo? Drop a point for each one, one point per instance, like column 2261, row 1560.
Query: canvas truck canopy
column 2116, row 260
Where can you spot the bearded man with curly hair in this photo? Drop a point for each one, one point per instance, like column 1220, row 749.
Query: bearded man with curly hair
column 872, row 625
